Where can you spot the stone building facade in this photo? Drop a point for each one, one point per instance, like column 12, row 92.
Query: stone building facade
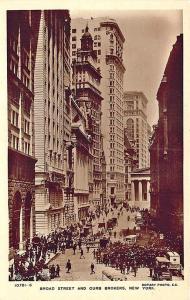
column 108, row 44
column 140, row 189
column 52, row 108
column 136, row 125
column 166, row 147
column 82, row 163
column 86, row 79
column 21, row 55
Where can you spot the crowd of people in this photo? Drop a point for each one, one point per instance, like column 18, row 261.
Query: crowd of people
column 129, row 258
column 33, row 264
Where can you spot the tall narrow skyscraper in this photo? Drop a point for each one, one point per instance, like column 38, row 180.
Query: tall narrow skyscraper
column 108, row 44
column 86, row 82
column 52, row 110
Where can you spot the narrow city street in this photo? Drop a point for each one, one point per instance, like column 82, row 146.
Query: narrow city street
column 81, row 268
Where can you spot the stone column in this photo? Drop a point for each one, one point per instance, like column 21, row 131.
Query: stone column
column 148, row 191
column 21, row 230
column 140, row 191
column 132, row 191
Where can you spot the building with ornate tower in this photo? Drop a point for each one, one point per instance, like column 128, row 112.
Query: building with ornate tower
column 86, row 79
column 108, row 44
column 52, row 107
column 21, row 55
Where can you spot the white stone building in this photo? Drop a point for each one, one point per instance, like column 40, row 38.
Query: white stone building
column 52, row 110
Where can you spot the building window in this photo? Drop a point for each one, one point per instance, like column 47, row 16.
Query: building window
column 27, row 148
column 73, row 53
column 130, row 128
column 25, row 58
column 74, row 46
column 14, row 118
column 14, row 142
column 74, row 30
column 26, row 126
column 112, row 190
column 74, row 38
column 130, row 105
column 99, row 52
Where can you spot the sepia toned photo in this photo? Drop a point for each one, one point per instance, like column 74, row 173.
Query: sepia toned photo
column 95, row 145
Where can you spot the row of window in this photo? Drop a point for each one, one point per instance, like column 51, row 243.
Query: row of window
column 74, row 30
column 15, row 144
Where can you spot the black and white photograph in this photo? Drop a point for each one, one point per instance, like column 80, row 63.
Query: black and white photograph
column 95, row 145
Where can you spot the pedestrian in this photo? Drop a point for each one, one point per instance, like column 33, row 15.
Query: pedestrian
column 74, row 249
column 68, row 266
column 87, row 248
column 92, row 268
column 128, row 267
column 57, row 270
column 82, row 253
column 52, row 271
column 135, row 269
column 151, row 271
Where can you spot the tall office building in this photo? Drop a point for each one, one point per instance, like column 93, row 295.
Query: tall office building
column 108, row 45
column 52, row 109
column 136, row 124
column 86, row 82
column 21, row 53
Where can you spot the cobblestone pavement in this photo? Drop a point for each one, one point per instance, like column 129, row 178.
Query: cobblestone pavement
column 81, row 268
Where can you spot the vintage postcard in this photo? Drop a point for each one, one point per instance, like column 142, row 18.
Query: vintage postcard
column 95, row 149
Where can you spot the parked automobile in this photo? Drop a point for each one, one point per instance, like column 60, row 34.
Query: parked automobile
column 130, row 239
column 162, row 269
column 175, row 266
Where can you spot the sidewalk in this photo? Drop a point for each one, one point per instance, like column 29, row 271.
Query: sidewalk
column 47, row 261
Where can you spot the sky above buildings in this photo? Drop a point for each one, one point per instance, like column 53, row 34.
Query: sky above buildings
column 149, row 37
